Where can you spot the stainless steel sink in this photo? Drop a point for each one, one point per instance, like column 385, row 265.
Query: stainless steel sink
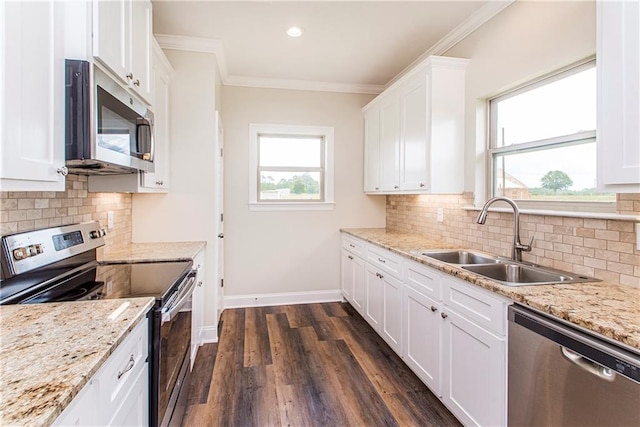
column 459, row 257
column 513, row 274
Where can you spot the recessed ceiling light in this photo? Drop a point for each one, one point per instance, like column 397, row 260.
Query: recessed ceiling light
column 294, row 32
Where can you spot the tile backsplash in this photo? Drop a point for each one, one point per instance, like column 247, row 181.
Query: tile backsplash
column 601, row 248
column 25, row 211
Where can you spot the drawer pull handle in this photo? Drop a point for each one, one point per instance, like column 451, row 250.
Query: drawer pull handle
column 382, row 261
column 352, row 245
column 380, row 275
column 444, row 315
column 434, row 308
column 130, row 364
column 350, row 257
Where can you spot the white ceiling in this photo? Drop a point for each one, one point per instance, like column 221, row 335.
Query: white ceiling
column 361, row 44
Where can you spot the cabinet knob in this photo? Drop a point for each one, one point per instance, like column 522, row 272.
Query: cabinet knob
column 221, row 236
column 129, row 76
column 434, row 308
column 136, row 83
column 444, row 315
column 63, row 171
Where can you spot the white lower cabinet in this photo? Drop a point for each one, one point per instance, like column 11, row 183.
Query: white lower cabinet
column 474, row 365
column 352, row 283
column 118, row 394
column 450, row 333
column 422, row 336
column 197, row 306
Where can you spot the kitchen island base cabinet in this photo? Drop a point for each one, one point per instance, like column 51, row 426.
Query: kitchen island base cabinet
column 118, row 394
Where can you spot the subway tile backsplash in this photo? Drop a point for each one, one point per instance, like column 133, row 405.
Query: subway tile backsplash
column 25, row 211
column 600, row 248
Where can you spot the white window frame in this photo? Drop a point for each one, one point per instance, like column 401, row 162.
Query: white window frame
column 557, row 142
column 326, row 184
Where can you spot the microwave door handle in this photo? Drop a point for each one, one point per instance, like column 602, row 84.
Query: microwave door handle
column 143, row 122
column 168, row 315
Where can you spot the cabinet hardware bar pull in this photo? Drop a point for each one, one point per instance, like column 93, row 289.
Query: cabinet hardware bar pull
column 444, row 315
column 129, row 76
column 130, row 364
column 350, row 257
column 63, row 171
column 434, row 308
column 381, row 260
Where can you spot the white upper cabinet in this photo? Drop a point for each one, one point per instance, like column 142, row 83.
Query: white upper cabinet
column 419, row 138
column 618, row 128
column 32, row 96
column 158, row 180
column 122, row 35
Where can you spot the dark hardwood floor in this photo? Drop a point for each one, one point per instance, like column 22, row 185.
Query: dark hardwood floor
column 306, row 365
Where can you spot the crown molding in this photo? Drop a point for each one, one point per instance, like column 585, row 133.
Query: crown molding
column 197, row 44
column 205, row 45
column 272, row 83
column 455, row 36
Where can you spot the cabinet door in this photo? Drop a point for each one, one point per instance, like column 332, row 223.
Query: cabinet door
column 422, row 332
column 390, row 143
column 111, row 35
column 141, row 49
column 618, row 127
column 159, row 178
column 392, row 313
column 197, row 306
column 348, row 275
column 82, row 409
column 32, row 96
column 135, row 407
column 359, row 293
column 414, row 143
column 474, row 363
column 372, row 149
column 374, row 295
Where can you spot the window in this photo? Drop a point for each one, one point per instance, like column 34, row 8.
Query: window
column 542, row 141
column 291, row 167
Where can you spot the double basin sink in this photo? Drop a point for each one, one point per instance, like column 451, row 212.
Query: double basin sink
column 504, row 271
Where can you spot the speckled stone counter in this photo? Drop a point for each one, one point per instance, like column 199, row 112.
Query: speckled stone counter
column 48, row 353
column 153, row 252
column 609, row 309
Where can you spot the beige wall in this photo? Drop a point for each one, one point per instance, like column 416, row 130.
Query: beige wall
column 185, row 213
column 526, row 40
column 273, row 252
column 26, row 211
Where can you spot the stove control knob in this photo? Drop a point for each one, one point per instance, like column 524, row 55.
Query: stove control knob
column 20, row 253
column 94, row 234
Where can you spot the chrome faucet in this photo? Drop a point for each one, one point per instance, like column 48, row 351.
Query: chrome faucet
column 518, row 247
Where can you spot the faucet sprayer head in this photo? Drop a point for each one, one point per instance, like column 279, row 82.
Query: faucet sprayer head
column 482, row 217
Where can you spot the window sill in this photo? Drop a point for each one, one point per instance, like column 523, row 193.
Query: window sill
column 292, row 206
column 570, row 214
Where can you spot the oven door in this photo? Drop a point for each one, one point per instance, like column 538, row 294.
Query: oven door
column 175, row 355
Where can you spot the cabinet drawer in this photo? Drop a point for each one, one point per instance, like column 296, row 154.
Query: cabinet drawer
column 423, row 279
column 121, row 370
column 385, row 260
column 476, row 304
column 355, row 246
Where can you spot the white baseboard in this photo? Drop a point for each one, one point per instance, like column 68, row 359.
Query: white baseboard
column 261, row 300
column 208, row 334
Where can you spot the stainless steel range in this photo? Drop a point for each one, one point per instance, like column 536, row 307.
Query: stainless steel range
column 59, row 264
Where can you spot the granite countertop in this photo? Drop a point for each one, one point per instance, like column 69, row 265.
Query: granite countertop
column 607, row 308
column 48, row 352
column 153, row 252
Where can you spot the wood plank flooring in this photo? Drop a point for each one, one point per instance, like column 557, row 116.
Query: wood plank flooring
column 306, row 365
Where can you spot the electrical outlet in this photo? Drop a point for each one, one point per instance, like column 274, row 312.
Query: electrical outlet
column 440, row 215
column 110, row 219
column 109, row 287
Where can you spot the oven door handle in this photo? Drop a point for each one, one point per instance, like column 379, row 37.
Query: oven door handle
column 173, row 309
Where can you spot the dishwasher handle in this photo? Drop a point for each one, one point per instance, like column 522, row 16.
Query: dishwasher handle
column 585, row 364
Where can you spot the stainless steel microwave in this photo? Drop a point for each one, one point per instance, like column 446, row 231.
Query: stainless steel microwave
column 107, row 129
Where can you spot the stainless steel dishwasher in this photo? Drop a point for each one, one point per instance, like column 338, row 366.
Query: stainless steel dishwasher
column 563, row 376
